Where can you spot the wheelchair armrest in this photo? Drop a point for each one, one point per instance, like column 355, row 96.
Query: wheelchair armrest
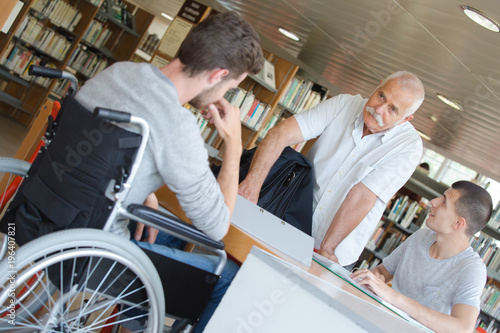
column 14, row 166
column 173, row 224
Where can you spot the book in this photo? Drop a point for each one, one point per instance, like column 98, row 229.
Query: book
column 345, row 275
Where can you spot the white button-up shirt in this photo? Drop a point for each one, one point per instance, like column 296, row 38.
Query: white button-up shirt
column 383, row 162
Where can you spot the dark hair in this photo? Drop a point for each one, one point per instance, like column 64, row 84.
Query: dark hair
column 222, row 41
column 425, row 166
column 474, row 204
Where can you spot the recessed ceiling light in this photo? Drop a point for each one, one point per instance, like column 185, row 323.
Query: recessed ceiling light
column 450, row 102
column 480, row 18
column 168, row 17
column 424, row 136
column 289, row 34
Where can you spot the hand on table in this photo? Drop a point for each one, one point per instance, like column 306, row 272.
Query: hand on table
column 375, row 281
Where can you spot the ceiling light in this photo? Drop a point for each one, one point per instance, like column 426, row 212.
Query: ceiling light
column 450, row 102
column 424, row 136
column 289, row 34
column 480, row 18
column 168, row 17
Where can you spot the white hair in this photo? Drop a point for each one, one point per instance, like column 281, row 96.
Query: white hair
column 410, row 81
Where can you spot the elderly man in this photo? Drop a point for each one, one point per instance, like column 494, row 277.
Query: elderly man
column 437, row 278
column 365, row 152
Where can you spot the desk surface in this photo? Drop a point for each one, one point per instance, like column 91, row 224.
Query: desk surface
column 239, row 243
column 271, row 295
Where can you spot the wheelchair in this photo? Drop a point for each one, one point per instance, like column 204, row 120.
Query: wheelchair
column 69, row 273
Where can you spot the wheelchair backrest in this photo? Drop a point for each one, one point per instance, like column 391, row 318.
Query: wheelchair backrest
column 66, row 185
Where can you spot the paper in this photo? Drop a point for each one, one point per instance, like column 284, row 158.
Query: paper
column 174, row 37
column 345, row 275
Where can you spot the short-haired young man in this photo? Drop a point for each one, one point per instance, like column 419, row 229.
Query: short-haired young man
column 437, row 278
column 216, row 56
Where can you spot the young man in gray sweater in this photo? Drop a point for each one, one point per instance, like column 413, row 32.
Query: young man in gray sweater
column 437, row 278
column 216, row 56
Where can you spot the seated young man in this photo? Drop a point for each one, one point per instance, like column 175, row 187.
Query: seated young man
column 215, row 56
column 437, row 278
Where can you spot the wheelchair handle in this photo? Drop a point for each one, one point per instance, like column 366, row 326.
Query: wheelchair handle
column 54, row 73
column 107, row 114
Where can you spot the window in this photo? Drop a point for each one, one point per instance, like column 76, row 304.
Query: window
column 434, row 160
column 493, row 189
column 457, row 171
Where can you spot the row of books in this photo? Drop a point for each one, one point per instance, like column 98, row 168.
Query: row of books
column 18, row 59
column 97, row 34
column 208, row 133
column 494, row 221
column 61, row 87
column 47, row 40
column 392, row 242
column 253, row 112
column 87, row 62
column 299, row 95
column 59, row 12
column 403, row 211
column 273, row 120
column 366, row 264
column 21, row 58
column 490, row 300
column 486, row 325
column 488, row 250
column 376, row 237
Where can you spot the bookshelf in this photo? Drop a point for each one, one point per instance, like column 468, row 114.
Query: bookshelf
column 262, row 105
column 63, row 34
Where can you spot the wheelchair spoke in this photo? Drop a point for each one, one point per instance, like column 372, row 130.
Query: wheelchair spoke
column 85, row 297
column 128, row 308
column 109, row 286
column 94, row 295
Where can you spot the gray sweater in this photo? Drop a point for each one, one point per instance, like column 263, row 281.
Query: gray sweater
column 175, row 154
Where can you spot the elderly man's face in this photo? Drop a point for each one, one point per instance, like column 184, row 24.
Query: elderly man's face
column 387, row 107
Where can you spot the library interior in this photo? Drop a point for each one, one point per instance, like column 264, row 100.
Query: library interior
column 313, row 51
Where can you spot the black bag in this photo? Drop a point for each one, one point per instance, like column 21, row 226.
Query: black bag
column 287, row 191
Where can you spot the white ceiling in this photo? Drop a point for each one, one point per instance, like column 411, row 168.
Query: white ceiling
column 349, row 46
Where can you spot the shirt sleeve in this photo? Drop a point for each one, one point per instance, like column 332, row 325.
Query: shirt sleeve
column 183, row 165
column 391, row 262
column 394, row 169
column 314, row 121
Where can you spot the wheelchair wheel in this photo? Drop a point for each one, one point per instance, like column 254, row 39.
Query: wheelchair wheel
column 80, row 280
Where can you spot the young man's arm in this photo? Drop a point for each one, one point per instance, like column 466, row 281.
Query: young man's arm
column 285, row 133
column 462, row 319
column 357, row 204
column 226, row 119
